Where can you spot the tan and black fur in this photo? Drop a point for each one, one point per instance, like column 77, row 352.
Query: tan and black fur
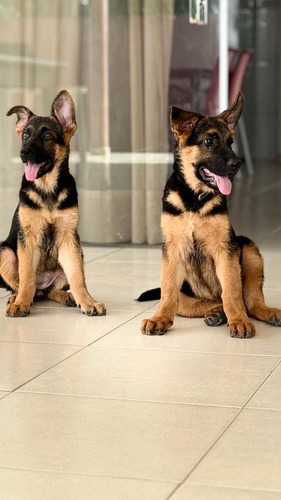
column 42, row 255
column 207, row 271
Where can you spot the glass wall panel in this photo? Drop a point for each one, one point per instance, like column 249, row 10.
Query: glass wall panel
column 124, row 62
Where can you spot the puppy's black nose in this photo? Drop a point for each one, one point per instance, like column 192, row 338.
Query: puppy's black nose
column 25, row 153
column 234, row 164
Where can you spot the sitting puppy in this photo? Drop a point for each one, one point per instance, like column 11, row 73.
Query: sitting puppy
column 207, row 271
column 42, row 255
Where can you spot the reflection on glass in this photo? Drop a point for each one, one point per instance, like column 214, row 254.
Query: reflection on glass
column 198, row 11
column 124, row 63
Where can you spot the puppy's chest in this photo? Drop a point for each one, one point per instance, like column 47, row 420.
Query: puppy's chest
column 48, row 248
column 47, row 230
column 56, row 228
column 49, row 201
column 187, row 232
column 192, row 244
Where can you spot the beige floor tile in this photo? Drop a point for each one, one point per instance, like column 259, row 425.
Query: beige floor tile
column 272, row 298
column 119, row 298
column 134, row 255
column 3, row 299
column 91, row 253
column 272, row 270
column 269, row 395
column 271, row 243
column 146, row 275
column 146, row 375
column 198, row 492
column 4, row 292
column 106, row 437
column 32, row 485
column 59, row 326
column 2, row 394
column 248, row 455
column 192, row 334
column 20, row 362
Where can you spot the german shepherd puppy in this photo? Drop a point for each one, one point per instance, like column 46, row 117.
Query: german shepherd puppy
column 207, row 271
column 42, row 255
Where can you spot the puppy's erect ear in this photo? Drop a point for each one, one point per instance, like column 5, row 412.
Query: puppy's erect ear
column 183, row 122
column 64, row 111
column 23, row 115
column 232, row 114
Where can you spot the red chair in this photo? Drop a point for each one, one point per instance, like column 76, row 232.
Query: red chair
column 212, row 94
column 236, row 78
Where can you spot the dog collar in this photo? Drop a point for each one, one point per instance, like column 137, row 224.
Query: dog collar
column 203, row 195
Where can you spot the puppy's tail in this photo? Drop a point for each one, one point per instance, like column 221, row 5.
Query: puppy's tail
column 153, row 294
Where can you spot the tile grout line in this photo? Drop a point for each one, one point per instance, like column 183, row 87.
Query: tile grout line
column 117, row 250
column 216, row 353
column 223, row 431
column 87, row 474
column 222, row 486
column 128, row 400
column 70, row 356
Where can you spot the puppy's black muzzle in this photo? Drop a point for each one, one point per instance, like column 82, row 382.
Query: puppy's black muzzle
column 26, row 153
column 33, row 153
column 233, row 165
column 224, row 164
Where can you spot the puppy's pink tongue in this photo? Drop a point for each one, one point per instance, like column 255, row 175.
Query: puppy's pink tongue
column 224, row 183
column 31, row 170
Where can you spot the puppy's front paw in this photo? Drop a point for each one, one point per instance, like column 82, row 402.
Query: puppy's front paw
column 155, row 326
column 92, row 308
column 100, row 309
column 14, row 310
column 242, row 329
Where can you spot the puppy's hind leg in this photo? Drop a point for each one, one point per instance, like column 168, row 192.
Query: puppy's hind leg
column 252, row 281
column 58, row 292
column 63, row 297
column 9, row 269
column 194, row 307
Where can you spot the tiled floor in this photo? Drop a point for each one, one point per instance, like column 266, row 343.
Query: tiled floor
column 92, row 409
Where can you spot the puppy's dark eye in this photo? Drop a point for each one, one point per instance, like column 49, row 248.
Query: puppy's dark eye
column 25, row 136
column 47, row 135
column 209, row 141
